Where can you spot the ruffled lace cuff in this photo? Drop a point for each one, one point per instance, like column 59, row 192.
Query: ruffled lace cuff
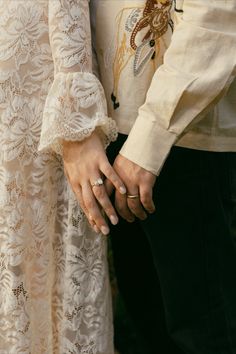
column 75, row 106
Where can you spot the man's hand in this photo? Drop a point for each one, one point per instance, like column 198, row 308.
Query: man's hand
column 139, row 184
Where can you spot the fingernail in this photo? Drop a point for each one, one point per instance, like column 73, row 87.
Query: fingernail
column 122, row 190
column 96, row 229
column 151, row 211
column 130, row 220
column 114, row 219
column 105, row 230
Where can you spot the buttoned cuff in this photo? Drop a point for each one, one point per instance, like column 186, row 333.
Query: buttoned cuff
column 148, row 145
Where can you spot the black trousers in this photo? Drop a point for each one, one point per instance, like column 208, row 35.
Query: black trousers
column 184, row 277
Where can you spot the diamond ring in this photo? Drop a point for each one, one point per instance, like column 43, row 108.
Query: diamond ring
column 98, row 182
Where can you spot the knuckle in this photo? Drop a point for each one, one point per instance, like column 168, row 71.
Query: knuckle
column 95, row 217
column 107, row 169
column 145, row 194
column 91, row 222
column 110, row 173
column 89, row 204
column 108, row 209
column 99, row 192
column 145, row 200
column 100, row 221
column 136, row 209
column 133, row 206
column 73, row 181
column 136, row 212
column 114, row 180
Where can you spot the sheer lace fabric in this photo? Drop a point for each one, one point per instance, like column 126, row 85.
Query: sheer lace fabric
column 54, row 294
column 76, row 102
column 74, row 107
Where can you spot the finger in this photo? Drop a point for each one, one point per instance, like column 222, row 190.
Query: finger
column 122, row 207
column 94, row 226
column 93, row 209
column 66, row 174
column 109, row 187
column 146, row 199
column 137, row 209
column 104, row 201
column 78, row 194
column 135, row 206
column 111, row 175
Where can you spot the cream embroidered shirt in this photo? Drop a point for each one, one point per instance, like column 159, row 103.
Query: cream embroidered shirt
column 184, row 84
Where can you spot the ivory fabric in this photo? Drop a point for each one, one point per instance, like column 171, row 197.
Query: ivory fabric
column 185, row 83
column 130, row 38
column 54, row 293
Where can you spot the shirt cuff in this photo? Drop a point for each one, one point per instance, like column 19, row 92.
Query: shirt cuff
column 148, row 145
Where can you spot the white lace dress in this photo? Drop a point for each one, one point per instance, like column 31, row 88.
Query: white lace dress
column 54, row 288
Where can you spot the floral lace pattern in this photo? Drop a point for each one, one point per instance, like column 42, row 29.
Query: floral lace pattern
column 55, row 296
column 76, row 102
column 74, row 107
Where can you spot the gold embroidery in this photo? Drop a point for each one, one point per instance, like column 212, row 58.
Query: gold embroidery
column 156, row 16
column 123, row 55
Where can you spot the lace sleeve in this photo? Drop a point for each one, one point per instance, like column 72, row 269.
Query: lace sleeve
column 76, row 103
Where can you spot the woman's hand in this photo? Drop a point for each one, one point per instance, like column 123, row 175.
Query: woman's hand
column 86, row 165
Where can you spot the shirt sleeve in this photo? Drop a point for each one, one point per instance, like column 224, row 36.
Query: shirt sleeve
column 76, row 103
column 199, row 66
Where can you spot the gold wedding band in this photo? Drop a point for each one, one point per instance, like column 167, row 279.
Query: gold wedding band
column 132, row 196
column 98, row 182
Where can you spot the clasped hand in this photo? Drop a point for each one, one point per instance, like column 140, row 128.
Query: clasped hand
column 93, row 179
